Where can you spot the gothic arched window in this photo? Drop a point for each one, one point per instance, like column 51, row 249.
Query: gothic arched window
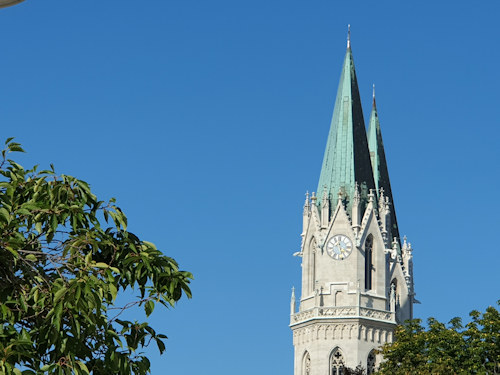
column 368, row 262
column 306, row 365
column 371, row 363
column 337, row 362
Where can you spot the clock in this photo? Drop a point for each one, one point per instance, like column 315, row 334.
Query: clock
column 339, row 247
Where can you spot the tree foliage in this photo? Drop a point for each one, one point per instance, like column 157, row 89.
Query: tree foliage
column 359, row 370
column 446, row 349
column 65, row 256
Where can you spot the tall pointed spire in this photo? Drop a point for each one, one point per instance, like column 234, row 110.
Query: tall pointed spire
column 347, row 159
column 379, row 164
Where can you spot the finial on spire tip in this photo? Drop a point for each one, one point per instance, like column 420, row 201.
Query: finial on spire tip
column 349, row 36
column 373, row 91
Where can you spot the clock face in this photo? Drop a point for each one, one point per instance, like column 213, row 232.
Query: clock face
column 339, row 247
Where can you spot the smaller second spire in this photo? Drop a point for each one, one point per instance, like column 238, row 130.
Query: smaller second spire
column 379, row 166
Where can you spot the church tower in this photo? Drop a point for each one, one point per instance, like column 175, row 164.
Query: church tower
column 357, row 278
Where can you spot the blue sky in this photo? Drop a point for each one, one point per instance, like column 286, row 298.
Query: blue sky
column 207, row 120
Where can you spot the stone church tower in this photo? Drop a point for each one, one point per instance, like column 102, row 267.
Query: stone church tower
column 357, row 276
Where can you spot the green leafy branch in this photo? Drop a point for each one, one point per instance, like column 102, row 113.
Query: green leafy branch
column 65, row 258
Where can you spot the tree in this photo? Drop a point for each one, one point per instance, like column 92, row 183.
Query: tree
column 65, row 256
column 359, row 370
column 444, row 350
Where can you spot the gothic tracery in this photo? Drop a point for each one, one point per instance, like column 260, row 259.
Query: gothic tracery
column 337, row 362
column 370, row 363
column 307, row 364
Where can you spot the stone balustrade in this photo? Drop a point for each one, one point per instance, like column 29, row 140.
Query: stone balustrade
column 342, row 312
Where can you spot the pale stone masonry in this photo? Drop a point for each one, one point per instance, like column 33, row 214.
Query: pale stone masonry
column 357, row 277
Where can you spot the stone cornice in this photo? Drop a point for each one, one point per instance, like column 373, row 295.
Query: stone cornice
column 350, row 312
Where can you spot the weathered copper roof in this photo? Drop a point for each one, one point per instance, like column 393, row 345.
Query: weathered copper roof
column 347, row 159
column 379, row 165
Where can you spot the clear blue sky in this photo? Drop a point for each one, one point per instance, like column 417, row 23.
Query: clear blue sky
column 207, row 120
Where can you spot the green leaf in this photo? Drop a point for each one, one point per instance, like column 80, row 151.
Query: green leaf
column 161, row 345
column 31, row 258
column 53, row 223
column 77, row 328
column 114, row 335
column 113, row 290
column 23, row 212
column 101, row 265
column 4, row 215
column 12, row 251
column 57, row 316
column 78, row 292
column 16, row 148
column 149, row 307
column 83, row 367
column 58, row 295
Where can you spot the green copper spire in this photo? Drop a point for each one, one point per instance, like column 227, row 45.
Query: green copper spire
column 347, row 159
column 379, row 164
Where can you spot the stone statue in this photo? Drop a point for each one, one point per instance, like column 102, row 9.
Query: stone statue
column 393, row 298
